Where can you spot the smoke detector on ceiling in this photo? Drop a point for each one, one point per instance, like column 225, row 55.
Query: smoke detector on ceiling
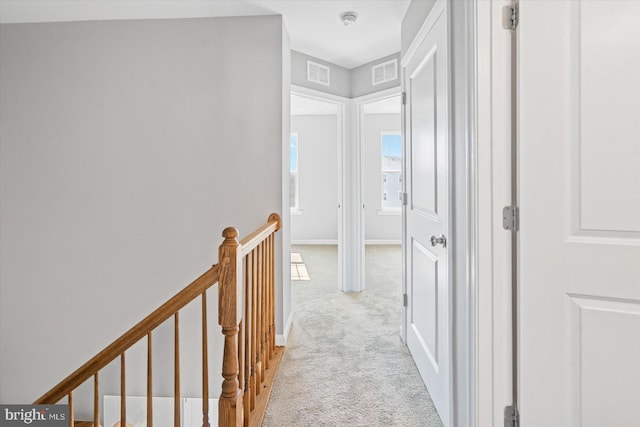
column 348, row 18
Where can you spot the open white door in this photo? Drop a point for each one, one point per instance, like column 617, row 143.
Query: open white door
column 579, row 161
column 427, row 139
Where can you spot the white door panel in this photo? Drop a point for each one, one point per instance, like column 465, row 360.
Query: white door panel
column 427, row 211
column 423, row 156
column 424, row 320
column 579, row 162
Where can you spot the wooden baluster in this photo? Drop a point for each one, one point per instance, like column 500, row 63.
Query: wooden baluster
column 96, row 401
column 123, row 392
column 205, row 364
column 149, row 381
column 273, row 292
column 246, row 395
column 270, row 301
column 71, row 414
column 267, row 319
column 267, row 308
column 267, row 323
column 264, row 353
column 230, row 404
column 254, row 328
column 176, row 370
column 241, row 357
column 274, row 217
column 259, row 313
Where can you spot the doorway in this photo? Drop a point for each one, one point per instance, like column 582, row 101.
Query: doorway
column 381, row 182
column 378, row 176
column 315, row 197
column 381, row 176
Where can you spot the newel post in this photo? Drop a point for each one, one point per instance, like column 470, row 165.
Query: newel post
column 229, row 316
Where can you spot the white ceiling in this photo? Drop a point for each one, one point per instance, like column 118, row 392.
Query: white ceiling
column 313, row 25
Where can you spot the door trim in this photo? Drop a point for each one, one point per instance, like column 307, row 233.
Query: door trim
column 465, row 210
column 493, row 378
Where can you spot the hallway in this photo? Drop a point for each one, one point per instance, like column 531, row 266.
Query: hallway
column 344, row 362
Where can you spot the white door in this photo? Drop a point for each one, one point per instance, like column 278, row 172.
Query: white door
column 427, row 211
column 579, row 113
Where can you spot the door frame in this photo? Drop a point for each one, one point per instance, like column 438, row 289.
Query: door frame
column 342, row 105
column 493, row 357
column 464, row 208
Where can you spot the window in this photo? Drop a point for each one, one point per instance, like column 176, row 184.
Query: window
column 391, row 171
column 293, row 180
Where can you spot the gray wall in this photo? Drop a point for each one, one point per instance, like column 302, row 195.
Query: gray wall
column 414, row 17
column 344, row 82
column 126, row 147
column 339, row 77
column 361, row 78
column 318, row 174
column 377, row 227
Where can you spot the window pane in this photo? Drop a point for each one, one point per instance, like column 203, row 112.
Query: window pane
column 391, row 186
column 391, row 152
column 391, row 171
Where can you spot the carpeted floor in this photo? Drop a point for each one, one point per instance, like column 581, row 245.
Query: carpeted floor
column 344, row 363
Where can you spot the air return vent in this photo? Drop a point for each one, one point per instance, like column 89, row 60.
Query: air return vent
column 385, row 72
column 317, row 73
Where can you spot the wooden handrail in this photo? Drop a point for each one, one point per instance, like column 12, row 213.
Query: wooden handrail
column 251, row 241
column 131, row 337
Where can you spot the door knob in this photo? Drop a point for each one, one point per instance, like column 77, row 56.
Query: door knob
column 439, row 241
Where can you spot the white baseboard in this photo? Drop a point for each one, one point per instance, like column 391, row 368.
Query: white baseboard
column 383, row 242
column 314, row 242
column 281, row 340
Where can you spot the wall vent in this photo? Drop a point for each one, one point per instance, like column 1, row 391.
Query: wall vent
column 385, row 72
column 317, row 73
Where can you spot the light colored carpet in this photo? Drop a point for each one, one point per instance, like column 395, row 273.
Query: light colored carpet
column 344, row 363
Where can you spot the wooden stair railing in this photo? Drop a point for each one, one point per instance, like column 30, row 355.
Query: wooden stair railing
column 246, row 313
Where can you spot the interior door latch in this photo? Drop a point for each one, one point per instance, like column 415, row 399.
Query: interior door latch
column 442, row 240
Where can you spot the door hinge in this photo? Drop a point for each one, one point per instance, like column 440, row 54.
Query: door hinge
column 404, row 300
column 511, row 218
column 404, row 98
column 404, row 199
column 511, row 416
column 510, row 16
